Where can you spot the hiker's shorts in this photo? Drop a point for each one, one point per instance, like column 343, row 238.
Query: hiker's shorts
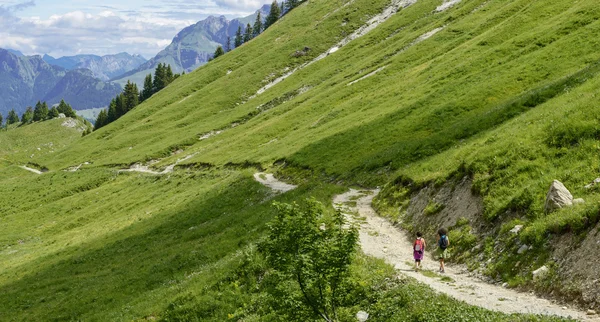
column 442, row 254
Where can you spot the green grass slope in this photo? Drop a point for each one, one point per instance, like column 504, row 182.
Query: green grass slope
column 501, row 91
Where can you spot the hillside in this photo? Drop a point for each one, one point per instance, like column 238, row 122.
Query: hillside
column 193, row 46
column 24, row 80
column 463, row 112
column 103, row 67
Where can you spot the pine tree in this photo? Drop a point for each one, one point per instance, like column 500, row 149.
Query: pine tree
column 112, row 111
column 53, row 113
column 37, row 112
column 40, row 113
column 219, row 52
column 228, row 44
column 120, row 105
column 239, row 40
column 159, row 78
column 66, row 109
column 12, row 118
column 147, row 91
column 258, row 26
column 1, row 120
column 248, row 33
column 101, row 120
column 169, row 77
column 45, row 111
column 27, row 117
column 273, row 14
column 282, row 8
column 130, row 97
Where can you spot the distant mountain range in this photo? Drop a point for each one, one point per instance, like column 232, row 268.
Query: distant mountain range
column 26, row 79
column 102, row 67
column 91, row 81
column 193, row 46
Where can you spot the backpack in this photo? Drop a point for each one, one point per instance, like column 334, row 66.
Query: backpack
column 418, row 247
column 443, row 242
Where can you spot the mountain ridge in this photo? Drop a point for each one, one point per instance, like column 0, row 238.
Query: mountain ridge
column 193, row 46
column 103, row 67
column 24, row 80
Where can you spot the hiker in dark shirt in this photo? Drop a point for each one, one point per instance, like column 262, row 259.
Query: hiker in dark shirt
column 442, row 252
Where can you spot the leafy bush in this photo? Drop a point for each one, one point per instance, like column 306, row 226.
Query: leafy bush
column 314, row 250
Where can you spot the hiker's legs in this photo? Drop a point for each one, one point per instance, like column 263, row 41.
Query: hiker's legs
column 442, row 265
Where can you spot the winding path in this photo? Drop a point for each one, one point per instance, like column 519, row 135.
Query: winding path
column 379, row 238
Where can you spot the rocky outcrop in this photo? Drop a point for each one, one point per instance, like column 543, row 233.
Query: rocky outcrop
column 558, row 197
column 540, row 273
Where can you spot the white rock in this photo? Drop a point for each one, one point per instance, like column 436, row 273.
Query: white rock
column 578, row 201
column 540, row 273
column 333, row 50
column 523, row 249
column 62, row 116
column 558, row 197
column 591, row 312
column 505, row 285
column 516, row 229
column 362, row 316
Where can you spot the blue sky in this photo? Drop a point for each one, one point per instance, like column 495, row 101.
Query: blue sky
column 62, row 28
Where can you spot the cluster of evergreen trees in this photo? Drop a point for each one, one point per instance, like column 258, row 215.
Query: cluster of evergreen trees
column 132, row 97
column 41, row 112
column 251, row 31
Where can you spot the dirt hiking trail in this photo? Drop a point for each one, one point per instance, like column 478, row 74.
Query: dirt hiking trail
column 379, row 238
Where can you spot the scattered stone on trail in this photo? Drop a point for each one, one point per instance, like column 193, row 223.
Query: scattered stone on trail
column 578, row 201
column 505, row 285
column 591, row 185
column 516, row 229
column 540, row 273
column 558, row 197
column 523, row 249
column 591, row 312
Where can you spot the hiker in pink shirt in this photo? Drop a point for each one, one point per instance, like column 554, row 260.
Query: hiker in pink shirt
column 419, row 250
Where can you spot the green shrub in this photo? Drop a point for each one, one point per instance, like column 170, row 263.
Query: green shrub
column 433, row 208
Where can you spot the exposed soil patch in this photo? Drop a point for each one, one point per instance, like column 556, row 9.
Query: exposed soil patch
column 268, row 180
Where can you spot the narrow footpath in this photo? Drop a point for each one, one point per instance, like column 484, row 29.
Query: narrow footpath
column 379, row 238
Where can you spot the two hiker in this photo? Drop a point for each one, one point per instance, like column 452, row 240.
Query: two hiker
column 441, row 253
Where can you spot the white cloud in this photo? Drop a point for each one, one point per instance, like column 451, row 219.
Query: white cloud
column 102, row 33
column 242, row 4
column 135, row 26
